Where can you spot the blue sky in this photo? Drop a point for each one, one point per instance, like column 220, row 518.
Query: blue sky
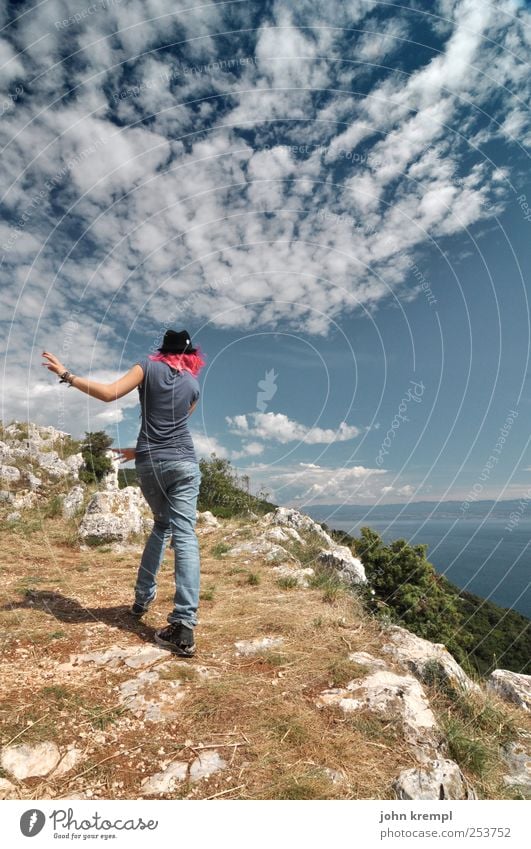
column 333, row 198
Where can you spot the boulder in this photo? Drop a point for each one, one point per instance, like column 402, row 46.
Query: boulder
column 517, row 758
column 512, row 686
column 110, row 480
column 114, row 516
column 25, row 761
column 440, row 779
column 260, row 547
column 363, row 658
column 301, row 576
column 52, row 464
column 207, row 518
column 276, row 534
column 424, row 659
column 291, row 518
column 74, row 463
column 72, row 501
column 395, row 697
column 341, row 560
column 33, row 481
column 6, row 497
column 10, row 474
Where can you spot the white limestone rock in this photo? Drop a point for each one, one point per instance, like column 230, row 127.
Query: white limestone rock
column 512, row 686
column 23, row 500
column 52, row 464
column 25, row 761
column 395, row 697
column 276, row 534
column 110, row 480
column 363, row 658
column 165, row 781
column 114, row 516
column 208, row 519
column 260, row 548
column 260, row 644
column 419, row 656
column 14, row 517
column 34, row 482
column 291, row 518
column 440, row 779
column 74, row 463
column 341, row 560
column 72, row 501
column 10, row 474
column 205, row 765
column 145, row 656
column 301, row 576
column 517, row 758
column 135, row 657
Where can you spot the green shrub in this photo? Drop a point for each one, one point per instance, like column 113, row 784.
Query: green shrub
column 225, row 493
column 220, row 548
column 54, row 507
column 96, row 464
column 408, row 591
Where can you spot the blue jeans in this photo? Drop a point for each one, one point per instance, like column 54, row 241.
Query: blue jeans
column 171, row 488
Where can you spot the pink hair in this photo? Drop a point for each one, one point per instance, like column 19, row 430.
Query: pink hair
column 191, row 362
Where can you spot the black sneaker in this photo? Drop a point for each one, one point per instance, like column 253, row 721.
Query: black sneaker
column 137, row 610
column 178, row 638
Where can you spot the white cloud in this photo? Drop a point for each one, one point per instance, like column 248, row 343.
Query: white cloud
column 205, row 445
column 311, row 483
column 177, row 193
column 280, row 428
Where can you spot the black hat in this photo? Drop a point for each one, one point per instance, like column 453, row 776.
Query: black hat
column 177, row 343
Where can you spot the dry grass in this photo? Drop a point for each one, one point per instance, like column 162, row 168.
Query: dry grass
column 259, row 710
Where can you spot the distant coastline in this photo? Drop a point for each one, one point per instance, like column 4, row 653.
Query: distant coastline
column 485, row 551
column 485, row 508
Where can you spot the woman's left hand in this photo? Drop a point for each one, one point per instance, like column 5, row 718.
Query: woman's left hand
column 53, row 363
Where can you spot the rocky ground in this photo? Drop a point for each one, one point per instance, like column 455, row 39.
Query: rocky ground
column 295, row 691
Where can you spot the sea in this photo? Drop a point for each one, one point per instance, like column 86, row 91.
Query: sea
column 488, row 555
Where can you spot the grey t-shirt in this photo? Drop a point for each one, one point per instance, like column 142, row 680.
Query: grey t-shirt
column 165, row 398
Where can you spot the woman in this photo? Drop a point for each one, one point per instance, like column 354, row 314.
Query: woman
column 168, row 473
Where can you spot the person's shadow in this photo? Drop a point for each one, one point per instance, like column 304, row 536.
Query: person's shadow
column 69, row 610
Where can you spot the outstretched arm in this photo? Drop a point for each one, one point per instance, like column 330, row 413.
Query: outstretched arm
column 103, row 391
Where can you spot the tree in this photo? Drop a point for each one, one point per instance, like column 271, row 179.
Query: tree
column 96, row 464
column 221, row 487
column 414, row 594
column 226, row 493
